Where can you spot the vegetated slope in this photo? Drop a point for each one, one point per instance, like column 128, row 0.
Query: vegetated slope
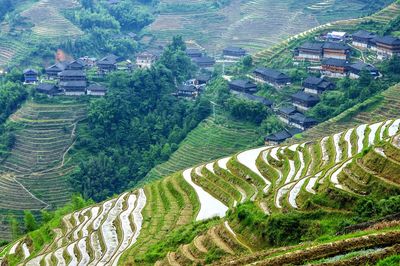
column 33, row 176
column 36, row 21
column 213, row 138
column 252, row 24
column 48, row 20
column 378, row 108
column 284, row 49
column 329, row 174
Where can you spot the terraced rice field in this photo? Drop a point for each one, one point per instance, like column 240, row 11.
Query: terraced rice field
column 285, row 48
column 33, row 176
column 208, row 141
column 10, row 49
column 48, row 20
column 280, row 189
column 276, row 178
column 387, row 108
column 251, row 24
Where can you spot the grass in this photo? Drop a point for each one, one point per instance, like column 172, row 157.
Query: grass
column 209, row 140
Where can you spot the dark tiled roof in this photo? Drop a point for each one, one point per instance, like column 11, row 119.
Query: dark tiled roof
column 203, row 77
column 389, row 40
column 313, row 80
column 272, row 73
column 108, row 60
column 312, row 46
column 235, row 50
column 278, row 136
column 287, row 110
column 190, row 88
column 283, row 135
column 305, row 97
column 97, row 87
column 243, row 83
column 336, row 46
column 359, row 66
column 204, row 60
column 72, row 73
column 326, row 84
column 30, row 71
column 46, row 87
column 255, row 98
column 300, row 118
column 335, row 62
column 73, row 83
column 364, row 34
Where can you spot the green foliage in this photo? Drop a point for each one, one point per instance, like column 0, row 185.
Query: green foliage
column 29, row 221
column 173, row 240
column 390, row 261
column 136, row 126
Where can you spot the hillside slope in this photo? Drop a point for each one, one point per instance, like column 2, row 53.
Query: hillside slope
column 329, row 174
column 33, row 176
column 251, row 24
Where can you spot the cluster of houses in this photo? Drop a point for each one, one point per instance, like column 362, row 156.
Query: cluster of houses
column 67, row 78
column 334, row 54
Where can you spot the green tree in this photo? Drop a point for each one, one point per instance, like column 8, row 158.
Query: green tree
column 29, row 221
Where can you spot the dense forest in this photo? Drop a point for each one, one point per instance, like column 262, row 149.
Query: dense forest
column 106, row 26
column 12, row 95
column 136, row 126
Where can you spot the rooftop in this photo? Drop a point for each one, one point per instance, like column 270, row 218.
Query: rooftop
column 335, row 62
column 364, row 34
column 270, row 73
column 305, row 97
column 287, row 110
column 312, row 46
column 389, row 40
column 72, row 73
column 97, row 87
column 243, row 83
column 336, row 46
column 255, row 98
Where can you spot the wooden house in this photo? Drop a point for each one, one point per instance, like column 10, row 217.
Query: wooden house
column 187, row 91
column 316, row 86
column 356, row 69
column 30, row 76
column 335, row 68
column 243, row 85
column 386, row 46
column 96, row 90
column 52, row 71
column 73, row 87
column 233, row 53
column 107, row 63
column 301, row 121
column 279, row 137
column 204, row 61
column 285, row 112
column 304, row 101
column 270, row 76
column 336, row 50
column 73, row 82
column 145, row 60
column 309, row 51
column 362, row 39
column 75, row 65
column 48, row 89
